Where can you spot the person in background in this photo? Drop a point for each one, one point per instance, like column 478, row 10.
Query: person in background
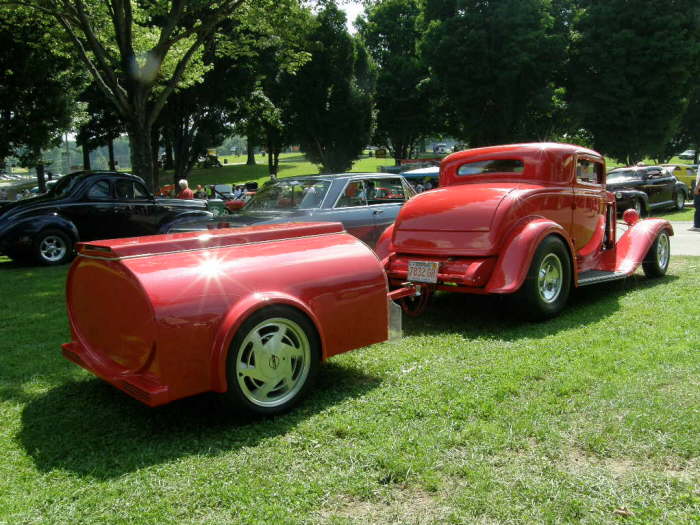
column 200, row 193
column 185, row 191
column 696, row 203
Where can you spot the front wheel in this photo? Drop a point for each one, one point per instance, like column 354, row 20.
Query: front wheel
column 52, row 247
column 273, row 360
column 657, row 258
column 548, row 283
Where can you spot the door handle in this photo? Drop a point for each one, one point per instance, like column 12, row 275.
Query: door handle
column 377, row 212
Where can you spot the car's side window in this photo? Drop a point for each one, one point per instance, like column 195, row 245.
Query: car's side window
column 589, row 172
column 100, row 190
column 381, row 191
column 130, row 190
column 355, row 194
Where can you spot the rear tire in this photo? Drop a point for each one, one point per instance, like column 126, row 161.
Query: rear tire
column 273, row 361
column 680, row 200
column 548, row 282
column 657, row 258
column 52, row 247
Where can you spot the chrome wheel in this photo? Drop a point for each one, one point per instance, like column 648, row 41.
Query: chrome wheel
column 550, row 278
column 638, row 206
column 663, row 250
column 53, row 248
column 273, row 362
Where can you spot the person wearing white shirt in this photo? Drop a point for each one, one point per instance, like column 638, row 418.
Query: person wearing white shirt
column 696, row 203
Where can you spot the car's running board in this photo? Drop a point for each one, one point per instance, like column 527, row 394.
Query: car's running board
column 599, row 276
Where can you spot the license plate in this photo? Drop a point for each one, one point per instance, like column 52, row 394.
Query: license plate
column 423, row 271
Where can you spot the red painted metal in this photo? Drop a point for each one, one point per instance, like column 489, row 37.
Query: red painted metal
column 155, row 316
column 494, row 221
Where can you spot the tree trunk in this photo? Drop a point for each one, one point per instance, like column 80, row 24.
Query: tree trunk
column 86, row 157
column 41, row 180
column 251, row 152
column 110, row 149
column 142, row 152
column 169, row 164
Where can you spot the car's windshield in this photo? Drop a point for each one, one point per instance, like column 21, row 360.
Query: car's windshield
column 619, row 175
column 64, row 185
column 290, row 195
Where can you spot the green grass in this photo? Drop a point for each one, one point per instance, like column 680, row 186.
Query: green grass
column 473, row 417
column 291, row 165
column 686, row 214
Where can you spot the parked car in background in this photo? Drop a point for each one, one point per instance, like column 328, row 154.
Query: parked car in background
column 688, row 154
column 85, row 206
column 366, row 203
column 423, row 178
column 683, row 172
column 646, row 189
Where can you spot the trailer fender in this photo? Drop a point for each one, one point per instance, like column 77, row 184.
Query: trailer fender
column 519, row 249
column 634, row 244
column 237, row 315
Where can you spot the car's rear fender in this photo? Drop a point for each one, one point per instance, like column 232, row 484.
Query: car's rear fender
column 384, row 247
column 518, row 250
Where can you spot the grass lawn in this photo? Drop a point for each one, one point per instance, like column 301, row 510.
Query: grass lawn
column 291, row 165
column 473, row 417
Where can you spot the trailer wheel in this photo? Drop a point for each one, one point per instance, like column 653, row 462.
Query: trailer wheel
column 52, row 247
column 548, row 283
column 657, row 258
column 273, row 360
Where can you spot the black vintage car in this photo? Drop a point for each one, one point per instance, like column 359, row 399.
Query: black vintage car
column 646, row 188
column 85, row 206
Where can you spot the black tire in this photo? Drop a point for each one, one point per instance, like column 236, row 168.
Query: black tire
column 52, row 247
column 271, row 377
column 657, row 258
column 680, row 200
column 548, row 282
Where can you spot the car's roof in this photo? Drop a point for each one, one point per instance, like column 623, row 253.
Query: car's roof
column 531, row 149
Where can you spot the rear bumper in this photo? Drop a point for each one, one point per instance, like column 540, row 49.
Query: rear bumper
column 142, row 386
column 462, row 272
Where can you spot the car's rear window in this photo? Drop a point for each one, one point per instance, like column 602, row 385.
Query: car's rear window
column 491, row 166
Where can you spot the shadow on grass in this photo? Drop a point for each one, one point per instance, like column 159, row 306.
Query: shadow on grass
column 497, row 316
column 93, row 429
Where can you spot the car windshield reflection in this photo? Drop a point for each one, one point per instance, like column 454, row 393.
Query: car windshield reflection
column 290, row 195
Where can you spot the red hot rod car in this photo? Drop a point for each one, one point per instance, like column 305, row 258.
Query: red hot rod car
column 527, row 219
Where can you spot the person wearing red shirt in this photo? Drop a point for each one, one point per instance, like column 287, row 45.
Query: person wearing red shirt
column 185, row 191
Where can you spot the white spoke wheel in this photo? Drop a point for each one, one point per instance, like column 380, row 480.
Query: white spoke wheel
column 657, row 258
column 272, row 361
column 548, row 282
column 53, row 247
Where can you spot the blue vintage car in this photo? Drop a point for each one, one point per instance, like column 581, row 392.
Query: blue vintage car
column 366, row 203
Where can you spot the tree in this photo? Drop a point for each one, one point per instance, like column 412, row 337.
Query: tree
column 102, row 127
column 632, row 70
column 140, row 52
column 402, row 100
column 330, row 110
column 36, row 90
column 494, row 64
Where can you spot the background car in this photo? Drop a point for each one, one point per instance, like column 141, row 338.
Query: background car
column 419, row 177
column 683, row 172
column 646, row 188
column 85, row 206
column 366, row 203
column 688, row 154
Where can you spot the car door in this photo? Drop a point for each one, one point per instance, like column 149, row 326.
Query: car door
column 352, row 210
column 589, row 204
column 658, row 184
column 94, row 213
column 385, row 197
column 135, row 209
